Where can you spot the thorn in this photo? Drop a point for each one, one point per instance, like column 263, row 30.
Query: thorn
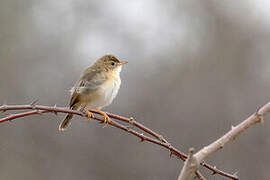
column 142, row 138
column 171, row 153
column 34, row 102
column 168, row 144
column 258, row 109
column 128, row 129
column 259, row 117
column 162, row 139
column 55, row 111
column 235, row 174
column 214, row 172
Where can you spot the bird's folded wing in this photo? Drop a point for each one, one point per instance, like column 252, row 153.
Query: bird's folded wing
column 88, row 83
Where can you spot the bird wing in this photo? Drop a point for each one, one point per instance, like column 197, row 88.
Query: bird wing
column 89, row 82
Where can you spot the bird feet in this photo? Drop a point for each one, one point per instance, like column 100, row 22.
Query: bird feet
column 89, row 114
column 107, row 119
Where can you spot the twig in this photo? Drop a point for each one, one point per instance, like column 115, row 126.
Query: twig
column 199, row 175
column 188, row 170
column 159, row 140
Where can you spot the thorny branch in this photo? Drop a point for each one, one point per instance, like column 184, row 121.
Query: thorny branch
column 158, row 139
column 192, row 163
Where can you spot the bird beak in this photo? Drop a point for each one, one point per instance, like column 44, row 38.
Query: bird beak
column 122, row 63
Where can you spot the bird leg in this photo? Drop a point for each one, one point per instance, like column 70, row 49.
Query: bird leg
column 107, row 119
column 89, row 114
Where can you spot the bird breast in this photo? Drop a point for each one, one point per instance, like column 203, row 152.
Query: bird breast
column 106, row 92
column 110, row 89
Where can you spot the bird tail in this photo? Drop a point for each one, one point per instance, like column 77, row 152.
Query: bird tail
column 65, row 123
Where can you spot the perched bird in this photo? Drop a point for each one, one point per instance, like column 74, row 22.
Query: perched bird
column 96, row 88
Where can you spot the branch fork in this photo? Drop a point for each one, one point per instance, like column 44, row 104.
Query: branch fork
column 192, row 163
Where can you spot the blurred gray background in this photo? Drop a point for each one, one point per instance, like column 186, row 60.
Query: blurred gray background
column 195, row 69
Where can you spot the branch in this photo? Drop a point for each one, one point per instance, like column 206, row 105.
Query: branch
column 158, row 139
column 192, row 164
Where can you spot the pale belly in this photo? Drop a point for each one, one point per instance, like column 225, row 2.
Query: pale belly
column 104, row 95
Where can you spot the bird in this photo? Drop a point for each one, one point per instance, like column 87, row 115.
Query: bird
column 96, row 88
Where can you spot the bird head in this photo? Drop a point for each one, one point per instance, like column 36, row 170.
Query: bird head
column 110, row 63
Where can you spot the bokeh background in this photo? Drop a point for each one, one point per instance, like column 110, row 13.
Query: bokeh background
column 195, row 69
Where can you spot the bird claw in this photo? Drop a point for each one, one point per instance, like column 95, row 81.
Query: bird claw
column 107, row 119
column 89, row 114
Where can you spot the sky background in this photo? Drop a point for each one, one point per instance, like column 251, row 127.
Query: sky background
column 195, row 69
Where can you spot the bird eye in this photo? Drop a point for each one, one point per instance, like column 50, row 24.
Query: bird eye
column 113, row 63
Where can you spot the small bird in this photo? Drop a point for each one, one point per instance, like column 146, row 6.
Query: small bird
column 96, row 88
